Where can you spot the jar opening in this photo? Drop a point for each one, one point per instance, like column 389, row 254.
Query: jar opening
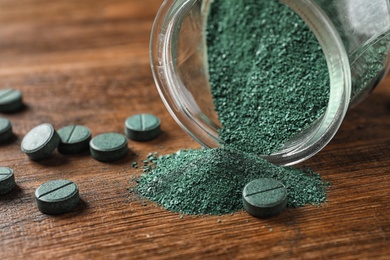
column 178, row 50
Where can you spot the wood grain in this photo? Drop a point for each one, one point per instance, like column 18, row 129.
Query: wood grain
column 87, row 62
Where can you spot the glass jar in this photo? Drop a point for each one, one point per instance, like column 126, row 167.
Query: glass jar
column 355, row 39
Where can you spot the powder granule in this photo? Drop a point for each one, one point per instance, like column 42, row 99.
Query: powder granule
column 210, row 181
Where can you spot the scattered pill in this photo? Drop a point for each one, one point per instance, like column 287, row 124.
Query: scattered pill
column 74, row 139
column 7, row 180
column 264, row 197
column 142, row 127
column 5, row 130
column 57, row 196
column 40, row 142
column 108, row 147
column 10, row 100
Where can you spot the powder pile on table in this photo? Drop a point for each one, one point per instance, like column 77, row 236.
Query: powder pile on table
column 210, row 181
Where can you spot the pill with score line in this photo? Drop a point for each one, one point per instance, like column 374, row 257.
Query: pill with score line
column 74, row 139
column 142, row 127
column 5, row 130
column 57, row 197
column 264, row 197
column 10, row 100
column 7, row 180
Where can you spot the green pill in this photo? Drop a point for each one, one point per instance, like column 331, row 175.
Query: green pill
column 57, row 197
column 74, row 139
column 108, row 147
column 40, row 142
column 142, row 127
column 10, row 100
column 5, row 130
column 7, row 180
column 264, row 197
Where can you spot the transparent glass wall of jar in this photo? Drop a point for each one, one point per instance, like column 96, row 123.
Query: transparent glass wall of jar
column 355, row 38
column 364, row 27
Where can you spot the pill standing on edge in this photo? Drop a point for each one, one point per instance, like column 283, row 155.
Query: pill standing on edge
column 74, row 139
column 5, row 130
column 108, row 147
column 40, row 142
column 142, row 127
column 7, row 180
column 57, row 196
column 10, row 100
column 264, row 197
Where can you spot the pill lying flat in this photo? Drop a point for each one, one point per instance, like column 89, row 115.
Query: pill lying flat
column 108, row 147
column 40, row 142
column 142, row 127
column 5, row 130
column 264, row 197
column 7, row 180
column 57, row 196
column 74, row 139
column 10, row 100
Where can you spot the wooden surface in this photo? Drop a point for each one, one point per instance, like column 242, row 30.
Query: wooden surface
column 86, row 62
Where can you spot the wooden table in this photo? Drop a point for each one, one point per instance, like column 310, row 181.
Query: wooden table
column 86, row 62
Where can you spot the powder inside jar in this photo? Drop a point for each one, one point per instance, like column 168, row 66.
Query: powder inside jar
column 268, row 74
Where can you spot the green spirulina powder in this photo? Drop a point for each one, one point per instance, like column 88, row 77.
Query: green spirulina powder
column 269, row 81
column 268, row 74
column 210, row 181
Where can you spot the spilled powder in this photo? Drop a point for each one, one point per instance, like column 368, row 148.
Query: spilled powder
column 269, row 81
column 210, row 181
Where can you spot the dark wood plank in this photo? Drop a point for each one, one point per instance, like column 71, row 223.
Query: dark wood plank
column 87, row 62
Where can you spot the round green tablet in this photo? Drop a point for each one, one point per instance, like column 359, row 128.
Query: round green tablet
column 142, row 127
column 7, row 180
column 74, row 139
column 264, row 197
column 57, row 196
column 108, row 147
column 5, row 130
column 10, row 100
column 40, row 142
